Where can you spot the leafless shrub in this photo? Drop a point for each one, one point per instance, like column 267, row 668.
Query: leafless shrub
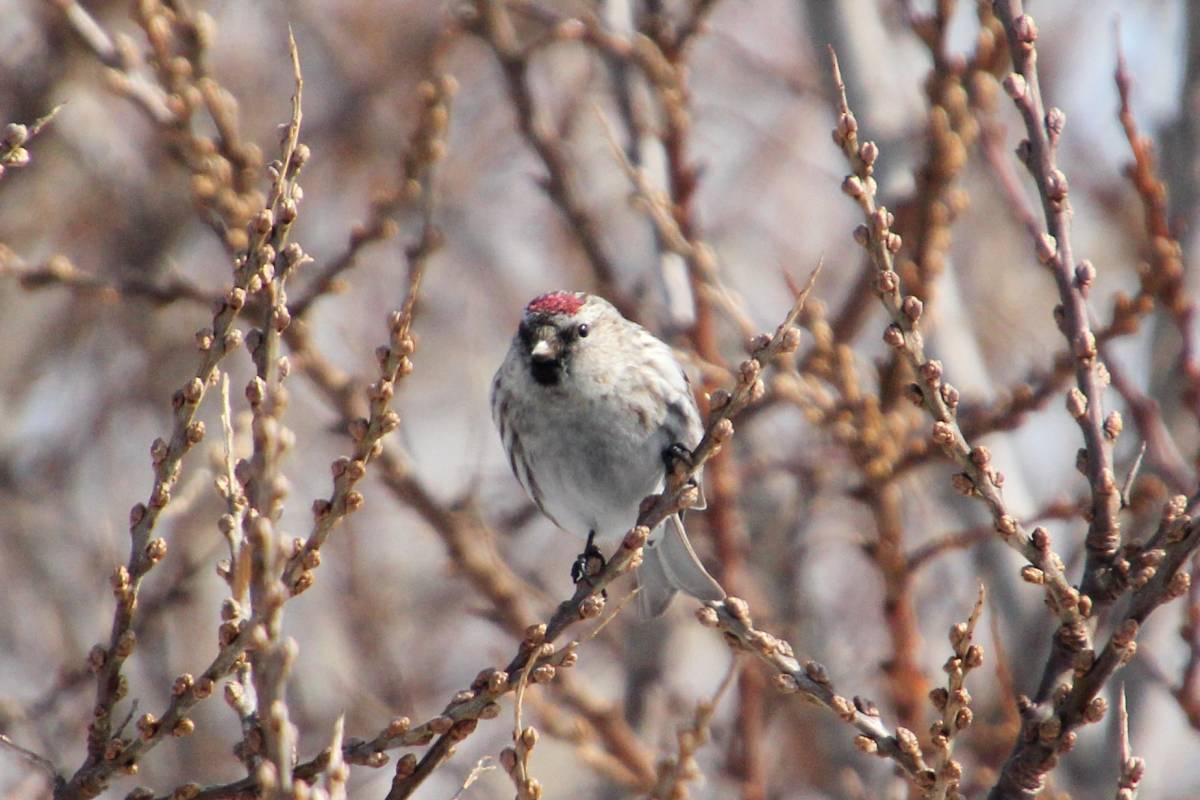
column 205, row 201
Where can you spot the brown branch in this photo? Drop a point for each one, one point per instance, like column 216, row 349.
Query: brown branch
column 489, row 19
column 1152, row 429
column 1187, row 694
column 1043, row 128
column 925, row 220
column 855, row 418
column 1042, row 384
column 239, row 693
column 59, row 271
column 979, row 478
column 150, row 98
column 262, row 481
column 953, row 702
column 676, row 771
column 1049, row 720
column 906, row 681
column 459, row 719
column 951, row 129
column 926, row 552
column 394, row 365
column 471, row 546
column 266, row 255
column 173, row 722
column 1163, row 276
column 177, row 91
column 400, row 732
column 675, row 37
column 426, row 147
column 178, row 590
column 1046, row 732
column 811, row 680
column 1132, row 768
column 950, row 133
column 34, row 759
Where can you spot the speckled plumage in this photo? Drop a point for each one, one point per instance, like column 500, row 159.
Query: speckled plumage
column 585, row 420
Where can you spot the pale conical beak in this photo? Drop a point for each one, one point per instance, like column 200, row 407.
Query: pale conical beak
column 545, row 358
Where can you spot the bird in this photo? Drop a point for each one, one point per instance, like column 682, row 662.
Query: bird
column 592, row 410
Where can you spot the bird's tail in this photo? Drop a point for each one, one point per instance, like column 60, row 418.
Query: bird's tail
column 669, row 565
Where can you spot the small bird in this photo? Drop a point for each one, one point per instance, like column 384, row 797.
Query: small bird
column 592, row 410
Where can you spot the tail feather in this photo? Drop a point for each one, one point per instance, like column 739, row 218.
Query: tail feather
column 669, row 564
column 654, row 585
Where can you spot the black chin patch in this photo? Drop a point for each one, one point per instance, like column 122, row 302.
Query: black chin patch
column 546, row 372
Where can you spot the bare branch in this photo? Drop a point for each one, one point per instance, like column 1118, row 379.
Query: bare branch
column 953, row 703
column 676, row 771
column 1043, row 127
column 812, row 681
column 490, row 20
column 35, row 759
column 1132, row 768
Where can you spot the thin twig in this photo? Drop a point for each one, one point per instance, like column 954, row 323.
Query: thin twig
column 979, row 477
column 1043, row 127
column 1163, row 276
column 426, row 147
column 13, row 150
column 515, row 759
column 36, row 759
column 954, row 704
column 166, row 457
column 394, row 365
column 676, row 771
column 811, row 680
column 1050, row 719
column 482, row 766
column 59, row 271
column 927, row 551
column 490, row 20
column 272, row 657
column 149, row 97
column 1132, row 768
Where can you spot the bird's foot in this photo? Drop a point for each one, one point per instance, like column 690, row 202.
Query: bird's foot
column 678, row 460
column 589, row 563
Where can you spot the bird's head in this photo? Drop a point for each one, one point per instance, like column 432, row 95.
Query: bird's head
column 554, row 331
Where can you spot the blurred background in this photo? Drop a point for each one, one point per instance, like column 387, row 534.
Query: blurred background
column 399, row 619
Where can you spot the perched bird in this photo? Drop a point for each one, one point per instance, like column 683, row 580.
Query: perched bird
column 591, row 410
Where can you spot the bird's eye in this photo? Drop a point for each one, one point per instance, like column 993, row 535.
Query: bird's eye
column 583, row 330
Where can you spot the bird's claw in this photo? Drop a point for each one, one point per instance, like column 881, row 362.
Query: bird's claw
column 589, row 563
column 677, row 458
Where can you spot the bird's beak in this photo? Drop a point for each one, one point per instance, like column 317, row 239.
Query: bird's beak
column 546, row 347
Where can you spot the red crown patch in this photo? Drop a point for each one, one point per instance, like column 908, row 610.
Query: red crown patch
column 555, row 303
